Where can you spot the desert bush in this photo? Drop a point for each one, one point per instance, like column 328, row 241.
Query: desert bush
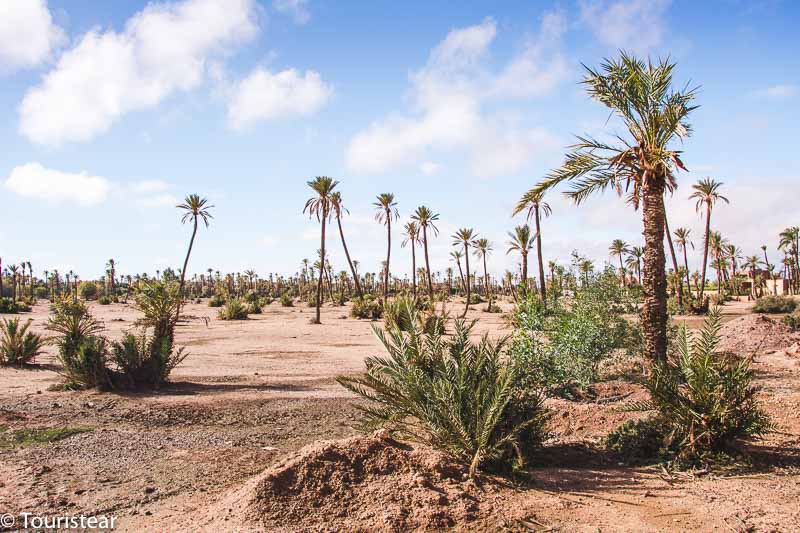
column 251, row 296
column 460, row 397
column 233, row 309
column 9, row 306
column 216, row 301
column 366, row 307
column 704, row 400
column 104, row 300
column 638, row 441
column 287, row 300
column 266, row 300
column 82, row 350
column 792, row 321
column 254, row 308
column 88, row 290
column 475, row 299
column 311, row 300
column 18, row 346
column 41, row 292
column 775, row 304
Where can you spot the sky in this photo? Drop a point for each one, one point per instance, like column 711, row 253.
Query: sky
column 115, row 111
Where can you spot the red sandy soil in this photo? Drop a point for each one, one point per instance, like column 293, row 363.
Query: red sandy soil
column 218, row 449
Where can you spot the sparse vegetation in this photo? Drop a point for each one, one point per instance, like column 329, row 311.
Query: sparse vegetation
column 775, row 304
column 233, row 309
column 367, row 308
column 22, row 438
column 18, row 346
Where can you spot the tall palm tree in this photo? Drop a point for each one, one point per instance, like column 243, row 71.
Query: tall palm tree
column 619, row 249
column 194, row 208
column 734, row 254
column 521, row 242
column 716, row 242
column 319, row 206
column 482, row 249
column 13, row 270
column 425, row 218
column 634, row 261
column 655, row 115
column 752, row 265
column 706, row 192
column 790, row 241
column 412, row 238
column 111, row 270
column 386, row 210
column 683, row 240
column 457, row 255
column 465, row 237
column 533, row 203
column 679, row 281
column 336, row 204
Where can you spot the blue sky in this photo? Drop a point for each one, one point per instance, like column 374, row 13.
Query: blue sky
column 115, row 110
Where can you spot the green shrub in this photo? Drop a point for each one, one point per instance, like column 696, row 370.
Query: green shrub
column 216, row 301
column 397, row 313
column 233, row 309
column 41, row 292
column 638, row 441
column 18, row 346
column 104, row 300
column 704, row 400
column 792, row 321
column 775, row 304
column 475, row 299
column 144, row 359
column 81, row 349
column 9, row 306
column 287, row 300
column 88, row 290
column 366, row 307
column 254, row 308
column 463, row 398
column 251, row 296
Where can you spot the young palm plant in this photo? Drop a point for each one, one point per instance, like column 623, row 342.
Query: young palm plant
column 18, row 346
column 450, row 393
column 655, row 115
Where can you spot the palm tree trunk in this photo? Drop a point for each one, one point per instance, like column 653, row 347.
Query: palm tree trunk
column 427, row 262
column 542, row 287
column 349, row 262
column 467, row 280
column 183, row 276
column 622, row 271
column 388, row 253
column 486, row 282
column 705, row 254
column 674, row 262
column 524, row 273
column 322, row 267
column 414, row 267
column 654, row 287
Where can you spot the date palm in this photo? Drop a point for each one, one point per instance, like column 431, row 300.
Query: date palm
column 425, row 218
column 14, row 271
column 482, row 249
column 386, row 210
column 319, row 207
column 465, row 237
column 634, row 261
column 336, row 205
column 706, row 192
column 532, row 203
column 457, row 255
column 733, row 254
column 521, row 242
column 195, row 209
column 412, row 238
column 751, row 263
column 683, row 240
column 790, row 242
column 715, row 244
column 619, row 249
column 643, row 165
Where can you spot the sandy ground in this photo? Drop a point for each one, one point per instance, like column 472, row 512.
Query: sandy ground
column 253, row 391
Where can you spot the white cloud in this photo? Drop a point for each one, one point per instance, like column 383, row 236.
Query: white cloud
column 429, row 168
column 449, row 95
column 297, row 9
column 633, row 25
column 263, row 95
column 164, row 48
column 28, row 35
column 777, row 92
column 32, row 180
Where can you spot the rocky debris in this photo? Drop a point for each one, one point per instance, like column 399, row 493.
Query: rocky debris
column 755, row 334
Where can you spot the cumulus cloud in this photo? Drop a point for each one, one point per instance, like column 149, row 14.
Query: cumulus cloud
column 35, row 181
column 777, row 92
column 635, row 25
column 449, row 96
column 297, row 9
column 263, row 95
column 28, row 34
column 163, row 49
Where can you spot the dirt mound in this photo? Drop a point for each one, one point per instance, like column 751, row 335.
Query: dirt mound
column 362, row 483
column 752, row 334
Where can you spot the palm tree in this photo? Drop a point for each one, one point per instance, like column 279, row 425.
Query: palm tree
column 194, row 208
column 319, row 206
column 641, row 94
column 752, row 265
column 532, row 202
column 716, row 242
column 734, row 254
column 336, row 204
column 457, row 255
column 13, row 270
column 465, row 237
column 521, row 242
column 706, row 192
column 790, row 241
column 111, row 270
column 424, row 217
column 619, row 249
column 482, row 249
column 387, row 209
column 682, row 238
column 679, row 281
column 412, row 238
column 634, row 261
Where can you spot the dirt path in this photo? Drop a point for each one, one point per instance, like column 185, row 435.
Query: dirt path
column 253, row 391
